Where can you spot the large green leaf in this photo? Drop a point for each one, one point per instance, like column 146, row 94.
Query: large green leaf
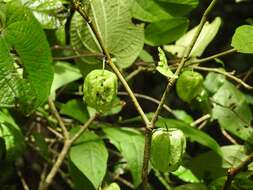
column 206, row 36
column 90, row 156
column 46, row 12
column 131, row 144
column 23, row 35
column 112, row 18
column 79, row 179
column 217, row 166
column 75, row 109
column 165, row 31
column 11, row 134
column 193, row 133
column 148, row 11
column 232, row 111
column 242, row 40
column 13, row 89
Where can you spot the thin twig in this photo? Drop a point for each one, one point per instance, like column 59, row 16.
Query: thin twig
column 67, row 145
column 169, row 86
column 82, row 129
column 202, row 125
column 43, row 175
column 200, row 120
column 228, row 136
column 81, row 51
column 232, row 172
column 212, row 57
column 162, row 180
column 58, row 117
column 226, row 74
column 149, row 98
column 56, row 133
column 125, row 182
column 76, row 56
column 134, row 73
column 22, row 179
column 246, row 77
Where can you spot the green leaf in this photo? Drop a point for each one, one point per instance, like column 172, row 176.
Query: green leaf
column 64, row 73
column 13, row 89
column 206, row 36
column 217, row 166
column 79, row 179
column 90, row 156
column 195, row 186
column 242, row 39
column 182, row 115
column 165, row 31
column 116, row 107
column 112, row 186
column 232, row 111
column 191, row 132
column 23, row 33
column 131, row 144
column 192, row 3
column 121, row 38
column 46, row 12
column 145, row 56
column 213, row 82
column 11, row 134
column 148, row 11
column 185, row 175
column 75, row 109
column 178, row 7
column 163, row 67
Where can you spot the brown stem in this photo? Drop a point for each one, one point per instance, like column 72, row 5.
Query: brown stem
column 169, row 86
column 81, row 11
column 239, row 81
column 58, row 117
column 67, row 145
column 232, row 172
column 212, row 57
column 76, row 56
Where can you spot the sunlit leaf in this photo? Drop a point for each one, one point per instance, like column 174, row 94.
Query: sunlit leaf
column 232, row 111
column 121, row 38
column 242, row 40
column 206, row 36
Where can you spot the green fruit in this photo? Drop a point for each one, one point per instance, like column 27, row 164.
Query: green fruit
column 189, row 85
column 167, row 149
column 178, row 145
column 100, row 89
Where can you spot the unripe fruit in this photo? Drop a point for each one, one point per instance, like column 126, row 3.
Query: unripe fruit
column 100, row 88
column 167, row 149
column 189, row 85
